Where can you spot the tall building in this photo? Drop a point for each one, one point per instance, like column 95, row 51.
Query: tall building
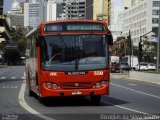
column 116, row 19
column 74, row 9
column 134, row 2
column 1, row 7
column 98, row 9
column 16, row 14
column 33, row 13
column 50, row 10
column 127, row 4
column 141, row 19
column 130, row 3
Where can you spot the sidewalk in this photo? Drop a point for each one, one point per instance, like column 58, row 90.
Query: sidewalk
column 124, row 75
column 138, row 76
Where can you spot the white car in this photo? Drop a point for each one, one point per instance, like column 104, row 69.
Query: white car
column 151, row 66
column 142, row 66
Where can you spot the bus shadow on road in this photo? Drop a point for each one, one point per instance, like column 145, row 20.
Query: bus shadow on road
column 110, row 101
column 81, row 101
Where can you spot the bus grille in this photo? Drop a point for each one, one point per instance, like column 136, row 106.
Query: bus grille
column 76, row 85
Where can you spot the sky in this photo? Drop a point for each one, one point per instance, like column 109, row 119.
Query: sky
column 8, row 3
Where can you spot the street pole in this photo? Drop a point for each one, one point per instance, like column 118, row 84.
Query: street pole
column 130, row 46
column 158, row 42
column 140, row 51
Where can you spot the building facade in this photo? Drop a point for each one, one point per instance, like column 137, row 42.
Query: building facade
column 50, row 10
column 116, row 19
column 33, row 14
column 141, row 19
column 131, row 3
column 16, row 15
column 74, row 9
column 98, row 9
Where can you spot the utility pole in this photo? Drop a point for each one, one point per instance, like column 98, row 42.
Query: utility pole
column 158, row 42
column 130, row 46
column 140, row 51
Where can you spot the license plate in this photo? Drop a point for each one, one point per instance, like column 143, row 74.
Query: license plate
column 77, row 93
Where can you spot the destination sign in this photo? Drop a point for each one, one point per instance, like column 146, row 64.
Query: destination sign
column 75, row 26
column 85, row 27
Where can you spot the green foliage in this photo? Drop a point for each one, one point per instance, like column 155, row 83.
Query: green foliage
column 149, row 51
column 18, row 37
column 120, row 38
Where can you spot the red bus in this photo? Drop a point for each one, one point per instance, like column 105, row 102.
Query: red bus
column 69, row 58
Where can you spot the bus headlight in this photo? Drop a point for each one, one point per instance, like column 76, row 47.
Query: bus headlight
column 98, row 85
column 52, row 86
column 49, row 85
column 103, row 83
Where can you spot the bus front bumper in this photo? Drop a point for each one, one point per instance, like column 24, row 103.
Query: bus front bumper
column 75, row 92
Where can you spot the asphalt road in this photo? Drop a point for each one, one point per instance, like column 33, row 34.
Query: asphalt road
column 127, row 99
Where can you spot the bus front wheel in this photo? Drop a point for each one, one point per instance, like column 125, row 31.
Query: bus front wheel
column 96, row 99
column 41, row 99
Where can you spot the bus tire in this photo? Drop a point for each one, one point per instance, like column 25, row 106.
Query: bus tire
column 31, row 93
column 95, row 99
column 41, row 99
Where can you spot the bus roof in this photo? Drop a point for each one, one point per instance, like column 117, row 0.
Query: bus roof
column 43, row 24
column 70, row 21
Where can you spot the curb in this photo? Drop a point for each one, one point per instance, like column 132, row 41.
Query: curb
column 136, row 80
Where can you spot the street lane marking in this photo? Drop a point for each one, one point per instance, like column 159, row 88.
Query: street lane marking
column 8, row 87
column 128, row 109
column 4, row 71
column 13, row 77
column 3, row 78
column 132, row 84
column 27, row 107
column 23, row 77
column 136, row 91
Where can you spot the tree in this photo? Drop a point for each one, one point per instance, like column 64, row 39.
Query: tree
column 18, row 37
column 149, row 51
column 13, row 54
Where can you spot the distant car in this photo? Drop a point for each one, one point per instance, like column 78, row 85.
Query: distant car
column 151, row 66
column 114, row 67
column 124, row 66
column 142, row 67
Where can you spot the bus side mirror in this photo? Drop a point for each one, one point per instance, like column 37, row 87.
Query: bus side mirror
column 110, row 39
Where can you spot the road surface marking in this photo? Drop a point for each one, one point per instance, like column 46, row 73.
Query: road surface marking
column 3, row 78
column 23, row 77
column 27, row 107
column 13, row 77
column 8, row 87
column 4, row 71
column 129, row 109
column 24, row 74
column 132, row 84
column 135, row 91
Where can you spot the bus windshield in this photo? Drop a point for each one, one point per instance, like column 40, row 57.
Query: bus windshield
column 74, row 52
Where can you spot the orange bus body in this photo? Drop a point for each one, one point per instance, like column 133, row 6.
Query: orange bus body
column 52, row 83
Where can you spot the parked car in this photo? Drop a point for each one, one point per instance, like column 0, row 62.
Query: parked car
column 124, row 66
column 114, row 67
column 142, row 66
column 151, row 66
